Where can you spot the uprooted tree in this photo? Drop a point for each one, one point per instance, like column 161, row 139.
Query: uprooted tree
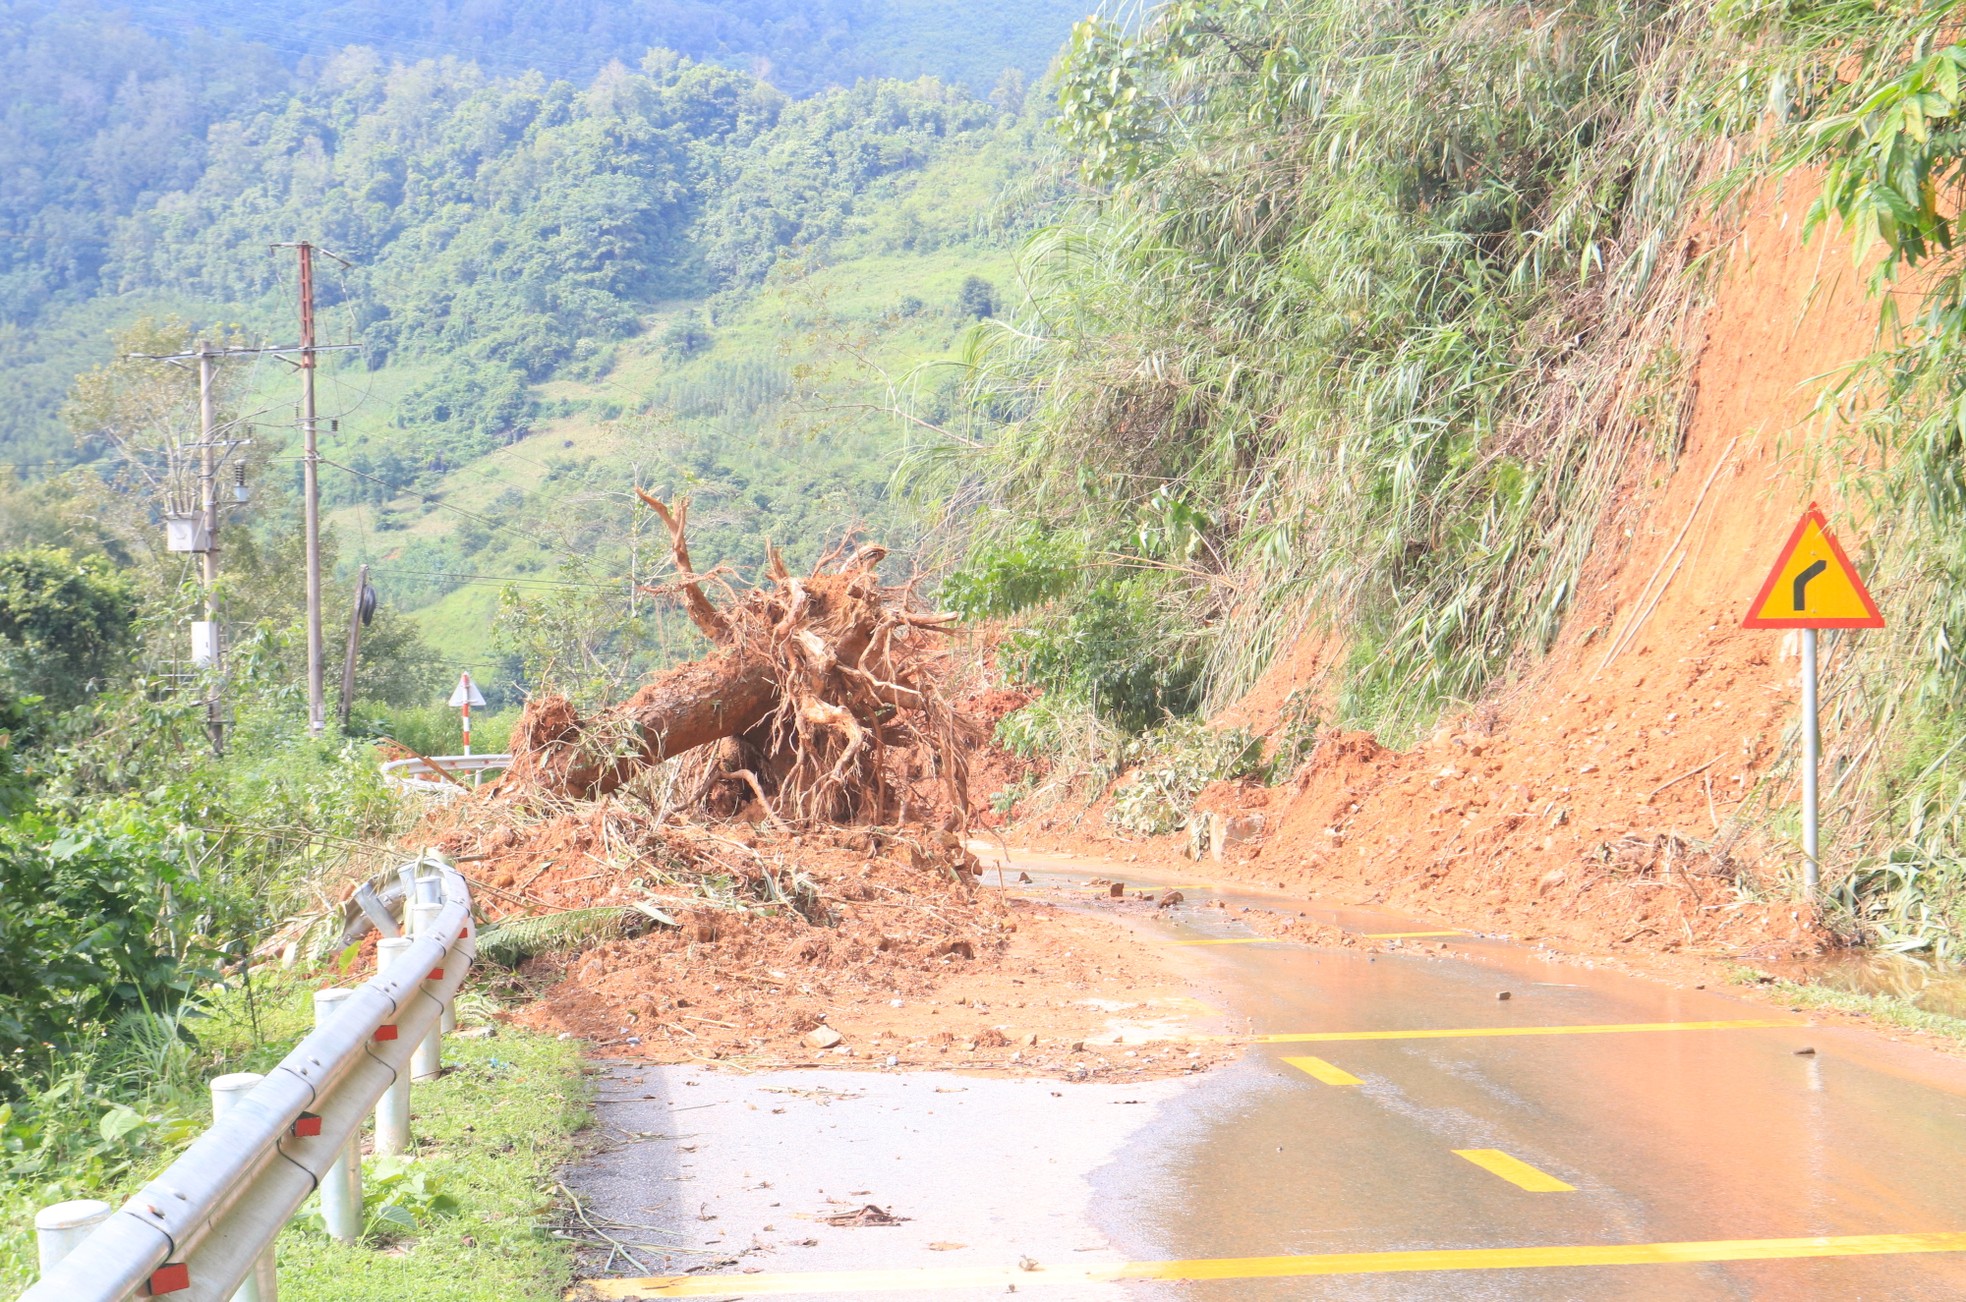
column 819, row 702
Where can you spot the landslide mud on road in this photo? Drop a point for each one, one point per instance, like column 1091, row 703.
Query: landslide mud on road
column 847, row 947
column 759, row 858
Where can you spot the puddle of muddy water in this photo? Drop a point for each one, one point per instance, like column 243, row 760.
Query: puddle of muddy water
column 1935, row 988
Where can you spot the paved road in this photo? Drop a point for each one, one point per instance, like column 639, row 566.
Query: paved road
column 1396, row 1131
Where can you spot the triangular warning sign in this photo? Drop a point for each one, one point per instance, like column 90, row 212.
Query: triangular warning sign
column 1813, row 585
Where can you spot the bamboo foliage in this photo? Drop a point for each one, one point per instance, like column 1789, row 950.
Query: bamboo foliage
column 1356, row 289
column 1388, row 295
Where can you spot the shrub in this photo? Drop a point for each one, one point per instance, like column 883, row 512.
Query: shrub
column 87, row 916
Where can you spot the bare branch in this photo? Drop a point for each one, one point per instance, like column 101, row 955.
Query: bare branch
column 701, row 612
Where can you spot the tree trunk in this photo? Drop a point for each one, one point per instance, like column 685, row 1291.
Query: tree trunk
column 725, row 695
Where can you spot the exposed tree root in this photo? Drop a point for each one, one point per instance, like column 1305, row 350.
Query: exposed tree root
column 819, row 705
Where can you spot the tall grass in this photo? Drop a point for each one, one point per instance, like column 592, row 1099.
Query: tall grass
column 1358, row 292
column 1368, row 305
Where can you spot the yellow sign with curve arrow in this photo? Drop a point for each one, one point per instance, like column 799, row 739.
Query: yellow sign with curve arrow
column 1813, row 584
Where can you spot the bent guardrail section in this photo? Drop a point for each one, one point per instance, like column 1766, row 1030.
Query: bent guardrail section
column 203, row 1229
column 409, row 774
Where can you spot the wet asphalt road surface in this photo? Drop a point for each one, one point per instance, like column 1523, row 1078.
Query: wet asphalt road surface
column 1395, row 1130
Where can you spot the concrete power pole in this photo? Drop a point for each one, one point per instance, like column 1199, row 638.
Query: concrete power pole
column 311, row 487
column 208, row 515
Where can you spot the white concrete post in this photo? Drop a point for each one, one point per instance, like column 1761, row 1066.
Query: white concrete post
column 263, row 1285
column 430, row 879
column 392, row 1114
column 428, row 1059
column 341, row 1187
column 447, row 1020
column 408, row 875
column 60, row 1229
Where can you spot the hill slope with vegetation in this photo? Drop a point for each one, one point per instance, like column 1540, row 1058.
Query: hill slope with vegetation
column 1350, row 379
column 674, row 271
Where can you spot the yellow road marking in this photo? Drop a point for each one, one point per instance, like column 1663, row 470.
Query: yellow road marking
column 1318, row 1037
column 1238, row 940
column 1324, row 1071
column 1338, row 1263
column 1514, row 1170
column 1409, row 935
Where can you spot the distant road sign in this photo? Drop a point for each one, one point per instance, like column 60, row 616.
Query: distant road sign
column 1813, row 584
column 467, row 693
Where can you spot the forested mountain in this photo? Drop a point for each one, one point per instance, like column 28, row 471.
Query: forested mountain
column 799, row 46
column 105, row 113
column 596, row 258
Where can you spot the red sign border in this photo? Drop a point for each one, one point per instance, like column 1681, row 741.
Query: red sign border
column 1875, row 619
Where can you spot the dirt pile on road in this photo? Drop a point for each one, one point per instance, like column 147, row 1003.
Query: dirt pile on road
column 686, row 940
column 760, row 855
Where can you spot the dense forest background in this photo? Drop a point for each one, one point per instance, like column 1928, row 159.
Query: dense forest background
column 699, row 247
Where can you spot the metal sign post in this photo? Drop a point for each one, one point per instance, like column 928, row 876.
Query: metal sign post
column 463, row 698
column 1812, row 756
column 1813, row 586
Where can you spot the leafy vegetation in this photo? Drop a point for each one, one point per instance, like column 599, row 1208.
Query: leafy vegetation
column 64, row 623
column 1293, row 353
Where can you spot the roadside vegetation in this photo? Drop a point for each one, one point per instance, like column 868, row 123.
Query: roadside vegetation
column 1360, row 314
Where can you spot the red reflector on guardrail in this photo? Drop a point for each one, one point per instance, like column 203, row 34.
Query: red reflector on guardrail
column 385, row 1032
column 306, row 1126
column 436, row 974
column 174, row 1278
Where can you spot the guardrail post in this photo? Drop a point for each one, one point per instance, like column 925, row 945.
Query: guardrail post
column 60, row 1229
column 428, row 1060
column 392, row 1115
column 430, row 884
column 341, row 1187
column 263, row 1285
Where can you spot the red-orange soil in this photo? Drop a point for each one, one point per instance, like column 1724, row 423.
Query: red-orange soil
column 1595, row 800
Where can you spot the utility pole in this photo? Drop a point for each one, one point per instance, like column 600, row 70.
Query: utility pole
column 208, row 513
column 634, row 548
column 214, row 450
column 310, row 477
column 310, row 463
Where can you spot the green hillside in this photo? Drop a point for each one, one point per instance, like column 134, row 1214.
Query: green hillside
column 675, row 274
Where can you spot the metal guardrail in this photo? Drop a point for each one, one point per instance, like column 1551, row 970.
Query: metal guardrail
column 408, row 773
column 203, row 1230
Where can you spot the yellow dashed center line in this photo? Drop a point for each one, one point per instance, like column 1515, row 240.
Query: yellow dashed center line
column 1322, row 1037
column 1324, row 1071
column 1337, row 1263
column 1513, row 1169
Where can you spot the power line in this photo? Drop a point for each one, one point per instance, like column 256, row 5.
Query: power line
column 533, row 580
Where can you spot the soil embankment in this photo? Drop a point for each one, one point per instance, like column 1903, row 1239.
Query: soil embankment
column 1603, row 799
